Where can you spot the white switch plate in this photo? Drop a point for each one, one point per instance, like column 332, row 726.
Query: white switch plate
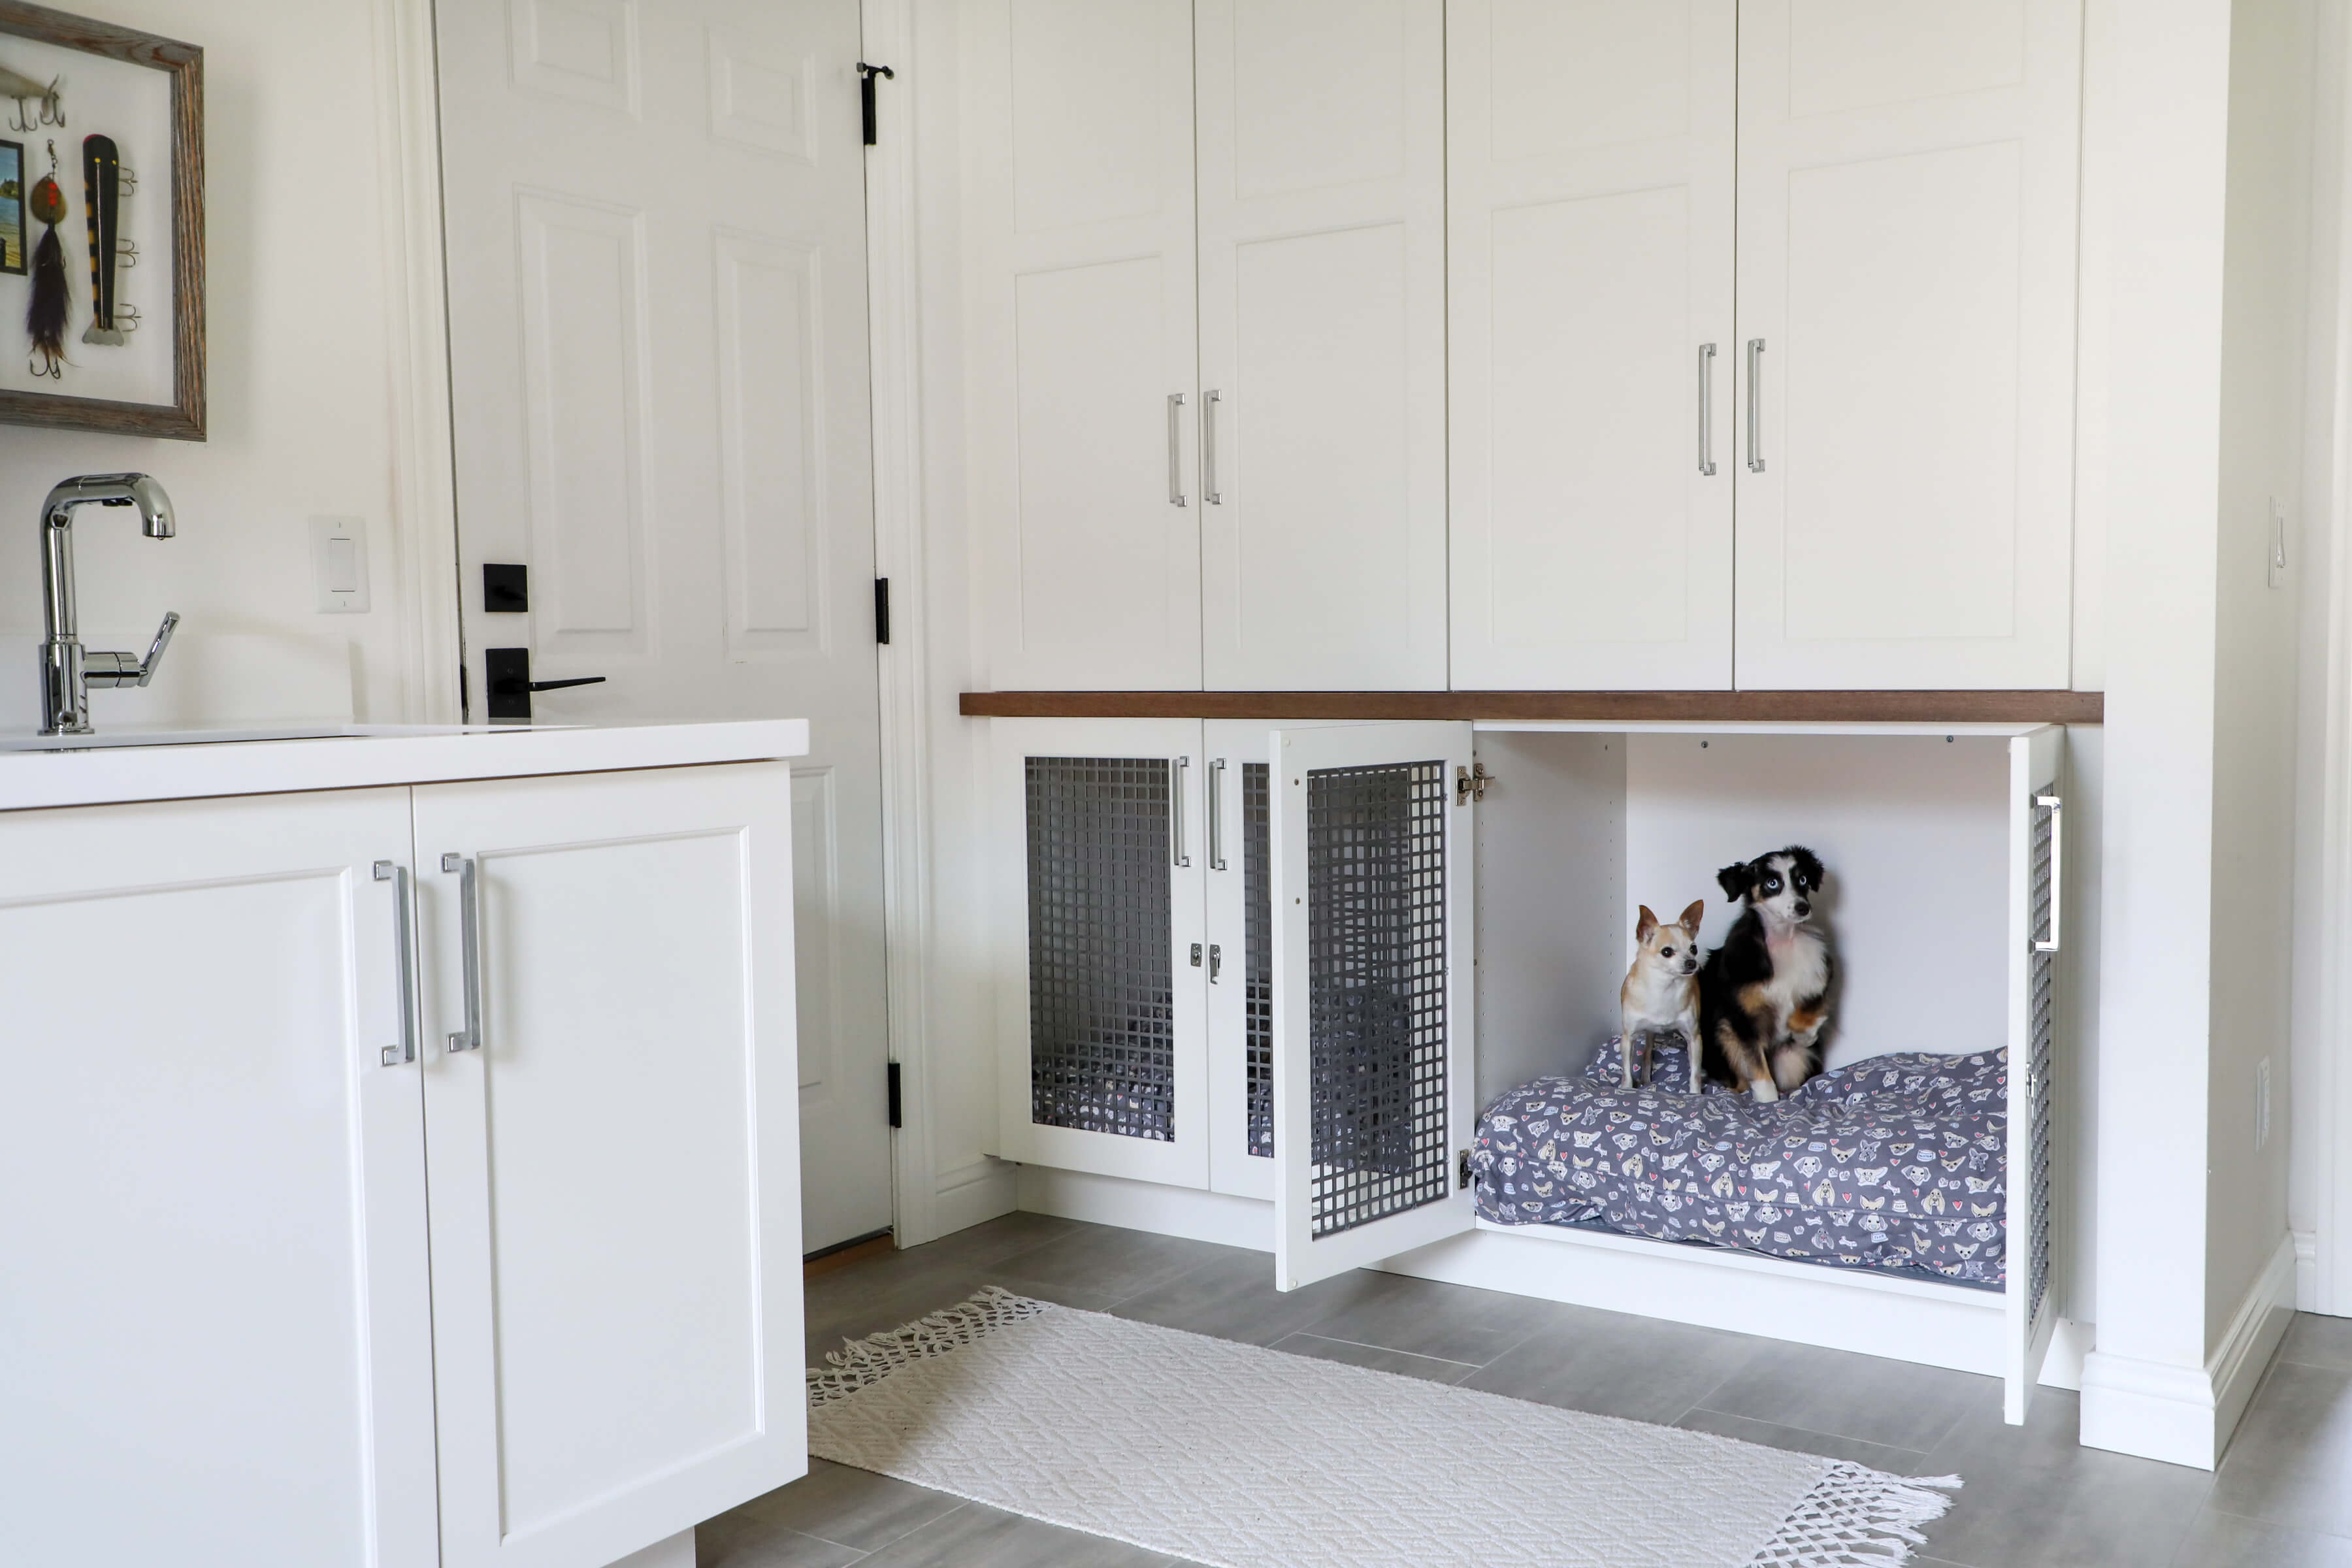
column 339, row 571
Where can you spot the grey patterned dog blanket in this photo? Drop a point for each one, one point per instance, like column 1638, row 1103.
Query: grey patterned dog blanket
column 1895, row 1163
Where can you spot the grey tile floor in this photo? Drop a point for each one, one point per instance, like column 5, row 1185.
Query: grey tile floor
column 2034, row 1498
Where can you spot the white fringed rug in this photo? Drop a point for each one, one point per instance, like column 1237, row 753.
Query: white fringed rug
column 1244, row 1457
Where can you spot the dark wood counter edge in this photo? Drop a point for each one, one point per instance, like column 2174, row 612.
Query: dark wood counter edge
column 1633, row 707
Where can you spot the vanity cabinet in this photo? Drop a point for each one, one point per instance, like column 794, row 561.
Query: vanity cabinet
column 311, row 1271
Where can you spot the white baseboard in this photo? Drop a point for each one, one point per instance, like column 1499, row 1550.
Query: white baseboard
column 983, row 1192
column 678, row 1551
column 2185, row 1414
column 2306, row 1270
column 1188, row 1212
column 2070, row 1342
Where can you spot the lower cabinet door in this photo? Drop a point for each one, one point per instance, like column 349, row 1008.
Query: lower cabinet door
column 214, row 1343
column 613, row 1141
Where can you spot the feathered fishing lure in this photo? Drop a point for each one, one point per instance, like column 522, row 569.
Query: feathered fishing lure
column 46, row 321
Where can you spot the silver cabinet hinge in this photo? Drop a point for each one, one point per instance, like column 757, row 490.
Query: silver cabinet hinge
column 1470, row 783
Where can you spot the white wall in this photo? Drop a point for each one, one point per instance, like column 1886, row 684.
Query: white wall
column 2271, row 78
column 304, row 315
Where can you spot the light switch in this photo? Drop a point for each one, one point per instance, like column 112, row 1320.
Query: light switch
column 339, row 564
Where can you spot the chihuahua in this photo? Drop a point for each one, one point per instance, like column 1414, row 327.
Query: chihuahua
column 1661, row 991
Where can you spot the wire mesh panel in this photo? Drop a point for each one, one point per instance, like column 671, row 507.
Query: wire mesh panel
column 1102, row 1027
column 1376, row 991
column 1257, row 954
column 2041, row 1071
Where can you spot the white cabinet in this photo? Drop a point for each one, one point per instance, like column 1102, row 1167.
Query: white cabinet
column 1082, row 344
column 615, row 1166
column 1207, row 444
column 217, row 1346
column 1322, row 236
column 1906, row 264
column 297, row 1279
column 1589, row 153
column 1240, row 925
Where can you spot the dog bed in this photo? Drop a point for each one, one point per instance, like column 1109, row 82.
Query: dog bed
column 1897, row 1162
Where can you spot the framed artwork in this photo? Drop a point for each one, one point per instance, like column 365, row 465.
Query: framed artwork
column 101, row 227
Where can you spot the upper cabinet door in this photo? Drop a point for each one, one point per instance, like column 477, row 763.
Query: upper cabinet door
column 1907, row 355
column 1082, row 395
column 1589, row 169
column 1322, row 217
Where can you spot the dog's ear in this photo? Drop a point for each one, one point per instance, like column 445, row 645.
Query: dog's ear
column 1645, row 925
column 1807, row 862
column 1733, row 880
column 1693, row 916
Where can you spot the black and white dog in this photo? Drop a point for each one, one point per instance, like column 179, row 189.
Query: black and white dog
column 1763, row 995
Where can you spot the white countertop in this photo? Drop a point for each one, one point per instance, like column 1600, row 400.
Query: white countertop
column 361, row 756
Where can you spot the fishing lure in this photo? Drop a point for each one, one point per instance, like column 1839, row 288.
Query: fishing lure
column 24, row 89
column 101, row 190
column 45, row 319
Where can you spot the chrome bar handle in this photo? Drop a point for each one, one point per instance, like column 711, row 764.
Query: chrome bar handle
column 469, row 943
column 1756, row 406
column 1176, row 766
column 403, row 944
column 1217, row 814
column 1707, row 409
column 2057, row 806
column 1175, row 448
column 1209, row 496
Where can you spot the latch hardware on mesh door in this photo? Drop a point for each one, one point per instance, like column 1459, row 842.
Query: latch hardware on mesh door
column 1465, row 1167
column 1470, row 783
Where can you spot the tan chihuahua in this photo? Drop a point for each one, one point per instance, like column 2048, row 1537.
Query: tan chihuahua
column 1661, row 991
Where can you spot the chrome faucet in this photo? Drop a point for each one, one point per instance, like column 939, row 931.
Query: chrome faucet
column 67, row 670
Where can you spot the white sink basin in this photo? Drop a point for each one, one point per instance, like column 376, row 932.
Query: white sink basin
column 135, row 737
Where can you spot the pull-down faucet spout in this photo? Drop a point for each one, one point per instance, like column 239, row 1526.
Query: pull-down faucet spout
column 67, row 670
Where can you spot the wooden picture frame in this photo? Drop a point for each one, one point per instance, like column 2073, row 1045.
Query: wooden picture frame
column 182, row 419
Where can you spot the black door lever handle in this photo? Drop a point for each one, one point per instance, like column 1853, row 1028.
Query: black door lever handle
column 508, row 685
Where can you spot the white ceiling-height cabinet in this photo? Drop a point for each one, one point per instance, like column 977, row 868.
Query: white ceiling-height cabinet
column 1322, row 301
column 1590, row 166
column 1081, row 354
column 1906, row 270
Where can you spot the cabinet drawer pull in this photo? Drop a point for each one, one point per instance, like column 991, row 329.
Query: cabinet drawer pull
column 1176, row 769
column 2057, row 808
column 1756, row 406
column 1175, row 448
column 469, row 943
column 1209, row 401
column 1707, row 409
column 404, row 962
column 1217, row 815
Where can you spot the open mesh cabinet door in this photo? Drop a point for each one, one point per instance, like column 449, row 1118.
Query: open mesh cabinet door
column 2037, row 927
column 1373, row 1068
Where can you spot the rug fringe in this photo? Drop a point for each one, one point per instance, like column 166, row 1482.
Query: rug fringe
column 1855, row 1515
column 861, row 1364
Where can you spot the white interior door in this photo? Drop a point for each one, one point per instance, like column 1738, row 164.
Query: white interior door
column 1907, row 179
column 658, row 370
column 2037, row 927
column 1588, row 189
column 1098, row 843
column 615, row 1166
column 215, row 1300
column 1374, row 987
column 1322, row 220
column 1079, row 198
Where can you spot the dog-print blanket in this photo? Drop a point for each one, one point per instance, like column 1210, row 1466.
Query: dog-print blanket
column 1895, row 1163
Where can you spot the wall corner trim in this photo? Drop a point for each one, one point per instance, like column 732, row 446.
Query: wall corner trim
column 2185, row 1414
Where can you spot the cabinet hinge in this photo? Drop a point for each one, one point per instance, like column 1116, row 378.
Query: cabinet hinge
column 1466, row 1167
column 882, row 610
column 895, row 1119
column 1470, row 783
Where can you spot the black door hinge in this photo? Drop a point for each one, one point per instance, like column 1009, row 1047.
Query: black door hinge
column 866, row 74
column 895, row 1103
column 1466, row 1167
column 882, row 609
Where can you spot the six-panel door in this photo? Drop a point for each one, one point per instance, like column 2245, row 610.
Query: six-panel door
column 216, row 1344
column 615, row 1203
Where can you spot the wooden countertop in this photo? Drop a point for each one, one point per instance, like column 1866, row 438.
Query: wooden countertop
column 1631, row 707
